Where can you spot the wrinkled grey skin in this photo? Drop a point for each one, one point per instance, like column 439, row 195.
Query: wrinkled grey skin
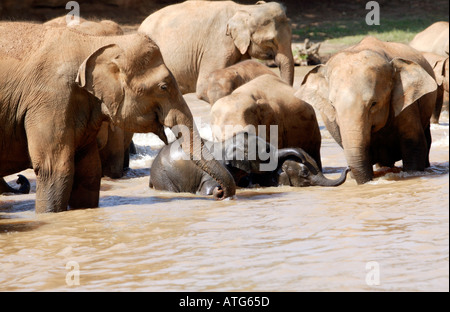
column 22, row 181
column 171, row 172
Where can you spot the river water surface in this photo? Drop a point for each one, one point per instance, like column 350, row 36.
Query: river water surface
column 391, row 234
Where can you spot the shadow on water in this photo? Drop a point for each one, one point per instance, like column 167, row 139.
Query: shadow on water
column 130, row 173
column 11, row 219
column 329, row 170
column 11, row 206
column 112, row 201
column 136, row 173
column 258, row 195
column 20, row 226
column 244, row 194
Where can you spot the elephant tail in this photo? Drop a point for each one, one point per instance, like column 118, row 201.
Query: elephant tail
column 22, row 181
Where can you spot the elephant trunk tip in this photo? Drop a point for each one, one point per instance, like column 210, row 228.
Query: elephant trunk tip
column 342, row 178
column 321, row 180
column 24, row 184
column 218, row 193
column 361, row 177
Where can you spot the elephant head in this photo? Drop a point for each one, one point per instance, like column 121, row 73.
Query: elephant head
column 360, row 92
column 264, row 32
column 139, row 94
column 297, row 168
column 248, row 155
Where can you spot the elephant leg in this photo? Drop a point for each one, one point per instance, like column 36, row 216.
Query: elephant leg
column 126, row 159
column 128, row 146
column 52, row 159
column 445, row 102
column 427, row 133
column 415, row 142
column 113, row 154
column 4, row 187
column 438, row 106
column 86, row 185
column 54, row 179
column 415, row 154
column 132, row 148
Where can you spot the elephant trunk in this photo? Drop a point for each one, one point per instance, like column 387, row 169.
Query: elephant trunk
column 285, row 62
column 358, row 160
column 193, row 145
column 361, row 168
column 356, row 132
column 320, row 180
column 22, row 181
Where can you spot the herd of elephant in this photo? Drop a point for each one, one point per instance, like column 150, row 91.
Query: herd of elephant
column 72, row 95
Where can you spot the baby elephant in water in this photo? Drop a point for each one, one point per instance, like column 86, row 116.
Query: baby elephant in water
column 250, row 160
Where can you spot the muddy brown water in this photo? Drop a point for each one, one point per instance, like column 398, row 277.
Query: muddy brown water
column 391, row 234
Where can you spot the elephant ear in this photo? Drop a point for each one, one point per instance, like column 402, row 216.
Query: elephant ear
column 314, row 91
column 439, row 71
column 238, row 28
column 99, row 74
column 411, row 82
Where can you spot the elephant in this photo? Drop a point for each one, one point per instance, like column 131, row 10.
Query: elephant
column 22, row 181
column 376, row 99
column 198, row 37
column 113, row 142
column 222, row 82
column 58, row 85
column 433, row 39
column 100, row 28
column 173, row 171
column 440, row 66
column 267, row 100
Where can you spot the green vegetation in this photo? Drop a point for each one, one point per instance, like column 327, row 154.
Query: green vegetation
column 351, row 32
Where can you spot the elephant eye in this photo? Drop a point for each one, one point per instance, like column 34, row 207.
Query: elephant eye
column 304, row 172
column 163, row 86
